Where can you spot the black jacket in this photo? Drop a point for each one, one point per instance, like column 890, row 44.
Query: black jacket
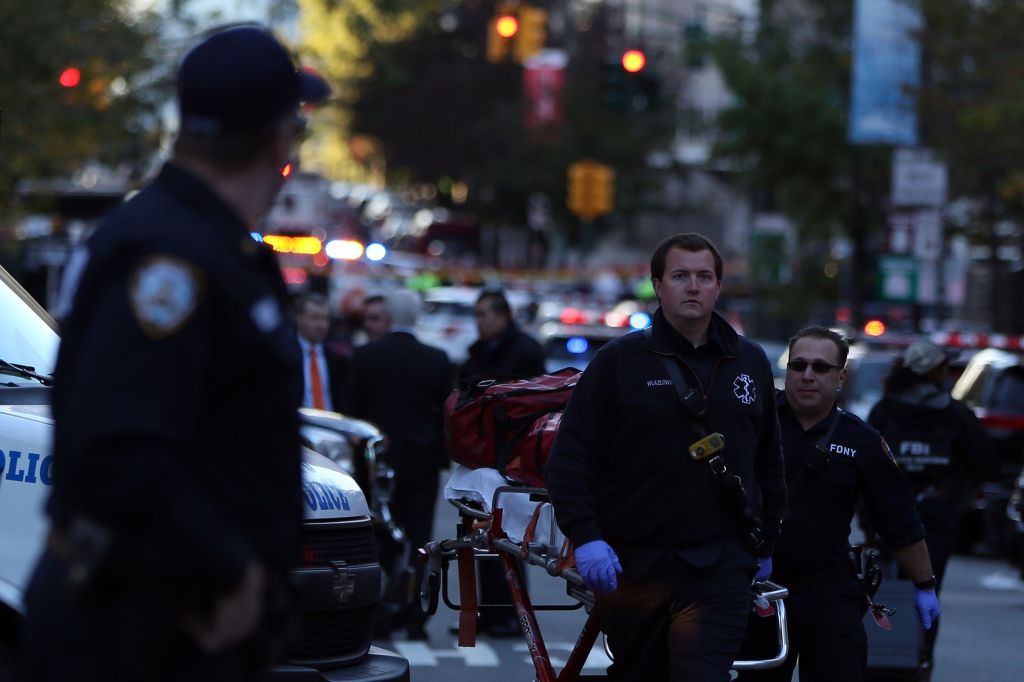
column 937, row 440
column 176, row 393
column 822, row 500
column 620, row 470
column 513, row 353
column 400, row 385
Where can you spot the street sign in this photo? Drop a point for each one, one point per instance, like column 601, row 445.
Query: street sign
column 897, row 278
column 918, row 179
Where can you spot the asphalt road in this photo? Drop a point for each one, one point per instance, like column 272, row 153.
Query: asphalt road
column 983, row 615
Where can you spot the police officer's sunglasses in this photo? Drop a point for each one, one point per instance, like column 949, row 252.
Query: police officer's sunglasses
column 817, row 366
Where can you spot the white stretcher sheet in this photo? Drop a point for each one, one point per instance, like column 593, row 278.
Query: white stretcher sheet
column 478, row 485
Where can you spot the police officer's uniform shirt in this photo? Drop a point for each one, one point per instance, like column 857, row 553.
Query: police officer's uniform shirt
column 176, row 392
column 816, row 527
column 325, row 381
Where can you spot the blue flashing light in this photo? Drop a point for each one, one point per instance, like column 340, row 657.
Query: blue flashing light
column 376, row 251
column 256, row 236
column 639, row 320
column 577, row 345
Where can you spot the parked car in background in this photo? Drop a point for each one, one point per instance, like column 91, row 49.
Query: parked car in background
column 574, row 345
column 993, row 385
column 867, row 368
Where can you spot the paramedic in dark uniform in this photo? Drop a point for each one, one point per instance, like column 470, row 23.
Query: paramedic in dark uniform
column 176, row 505
column 941, row 447
column 669, row 546
column 832, row 459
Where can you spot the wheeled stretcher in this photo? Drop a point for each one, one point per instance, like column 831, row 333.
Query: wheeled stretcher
column 516, row 523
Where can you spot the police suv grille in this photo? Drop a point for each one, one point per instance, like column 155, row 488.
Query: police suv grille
column 332, row 635
column 353, row 544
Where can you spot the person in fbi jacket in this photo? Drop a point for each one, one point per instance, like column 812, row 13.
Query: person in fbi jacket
column 176, row 504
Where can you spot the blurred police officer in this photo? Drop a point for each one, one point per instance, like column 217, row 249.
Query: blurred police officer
column 940, row 445
column 176, row 503
column 832, row 459
column 682, row 531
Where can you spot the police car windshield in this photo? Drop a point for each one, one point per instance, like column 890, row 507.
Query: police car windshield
column 28, row 336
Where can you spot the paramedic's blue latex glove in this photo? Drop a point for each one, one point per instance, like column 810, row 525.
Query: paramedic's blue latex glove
column 927, row 605
column 597, row 563
column 764, row 568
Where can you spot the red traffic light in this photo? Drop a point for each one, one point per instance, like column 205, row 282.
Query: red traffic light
column 506, row 26
column 70, row 77
column 634, row 61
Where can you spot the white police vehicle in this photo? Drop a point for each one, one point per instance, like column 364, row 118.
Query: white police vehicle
column 339, row 583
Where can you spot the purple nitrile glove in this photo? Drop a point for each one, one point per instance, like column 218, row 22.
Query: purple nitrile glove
column 926, row 603
column 597, row 563
column 764, row 568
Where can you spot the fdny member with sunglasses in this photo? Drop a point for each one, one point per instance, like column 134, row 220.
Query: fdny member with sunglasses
column 832, row 459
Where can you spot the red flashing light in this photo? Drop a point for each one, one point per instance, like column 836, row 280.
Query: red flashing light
column 294, row 275
column 70, row 77
column 874, row 328
column 572, row 316
column 287, row 170
column 506, row 26
column 634, row 61
column 616, row 319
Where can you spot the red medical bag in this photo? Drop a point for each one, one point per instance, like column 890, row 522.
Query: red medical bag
column 508, row 425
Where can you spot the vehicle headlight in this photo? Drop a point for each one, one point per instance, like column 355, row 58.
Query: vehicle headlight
column 331, row 445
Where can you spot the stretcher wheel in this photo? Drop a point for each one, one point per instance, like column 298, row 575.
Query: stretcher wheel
column 429, row 592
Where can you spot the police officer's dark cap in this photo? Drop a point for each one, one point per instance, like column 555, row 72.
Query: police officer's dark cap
column 240, row 78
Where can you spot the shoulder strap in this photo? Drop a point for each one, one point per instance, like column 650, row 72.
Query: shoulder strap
column 820, row 455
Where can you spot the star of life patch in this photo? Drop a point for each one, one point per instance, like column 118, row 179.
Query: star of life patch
column 744, row 388
column 164, row 291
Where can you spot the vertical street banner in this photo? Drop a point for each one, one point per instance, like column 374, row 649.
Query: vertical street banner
column 544, row 88
column 886, row 71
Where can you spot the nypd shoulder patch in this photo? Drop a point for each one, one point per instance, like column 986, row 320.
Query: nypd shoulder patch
column 164, row 291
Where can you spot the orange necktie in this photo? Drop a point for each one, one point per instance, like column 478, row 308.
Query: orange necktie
column 314, row 379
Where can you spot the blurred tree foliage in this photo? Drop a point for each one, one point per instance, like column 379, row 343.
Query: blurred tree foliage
column 786, row 133
column 787, row 129
column 972, row 100
column 413, row 78
column 110, row 116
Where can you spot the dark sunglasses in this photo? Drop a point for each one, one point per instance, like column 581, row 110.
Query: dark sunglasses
column 817, row 366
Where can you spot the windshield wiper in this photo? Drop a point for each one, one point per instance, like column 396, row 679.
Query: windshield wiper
column 25, row 371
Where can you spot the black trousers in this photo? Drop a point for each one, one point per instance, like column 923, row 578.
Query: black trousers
column 412, row 506
column 682, row 623
column 127, row 637
column 826, row 634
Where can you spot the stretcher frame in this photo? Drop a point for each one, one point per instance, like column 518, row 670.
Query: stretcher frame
column 480, row 534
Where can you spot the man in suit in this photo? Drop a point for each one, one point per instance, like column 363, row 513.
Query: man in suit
column 400, row 385
column 323, row 370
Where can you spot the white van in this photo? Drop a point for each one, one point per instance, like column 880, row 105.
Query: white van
column 339, row 583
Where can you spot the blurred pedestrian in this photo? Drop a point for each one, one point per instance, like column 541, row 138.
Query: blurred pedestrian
column 667, row 476
column 400, row 385
column 324, row 370
column 376, row 322
column 502, row 349
column 833, row 459
column 176, row 505
column 941, row 447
